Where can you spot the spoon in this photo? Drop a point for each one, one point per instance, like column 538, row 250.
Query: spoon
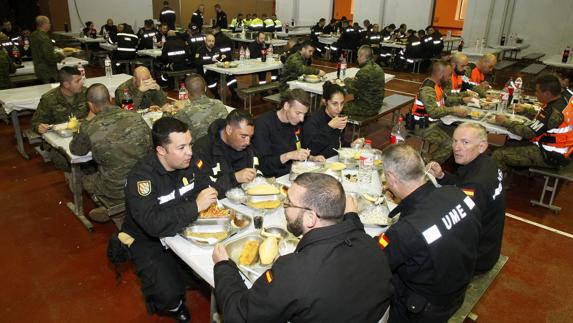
column 210, row 240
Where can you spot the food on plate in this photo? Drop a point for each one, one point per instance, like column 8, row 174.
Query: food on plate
column 304, row 167
column 154, row 108
column 249, row 253
column 377, row 215
column 73, row 123
column 262, row 189
column 370, row 198
column 336, row 166
column 352, row 178
column 271, row 204
column 311, row 76
column 206, row 235
column 215, row 212
column 227, row 64
column 239, row 220
column 268, row 250
column 476, row 114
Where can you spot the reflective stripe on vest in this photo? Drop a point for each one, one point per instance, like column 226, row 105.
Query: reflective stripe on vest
column 562, row 135
column 176, row 53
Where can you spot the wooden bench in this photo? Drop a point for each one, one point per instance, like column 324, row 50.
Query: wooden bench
column 532, row 57
column 501, row 65
column 248, row 92
column 531, row 71
column 565, row 173
column 392, row 104
column 274, row 98
column 477, row 287
column 178, row 75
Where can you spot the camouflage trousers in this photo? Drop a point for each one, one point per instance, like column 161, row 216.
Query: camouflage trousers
column 440, row 138
column 359, row 109
column 521, row 156
column 90, row 185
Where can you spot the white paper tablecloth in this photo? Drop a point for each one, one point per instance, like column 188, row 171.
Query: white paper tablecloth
column 156, row 52
column 491, row 128
column 316, row 88
column 56, row 141
column 555, row 61
column 249, row 66
column 29, row 65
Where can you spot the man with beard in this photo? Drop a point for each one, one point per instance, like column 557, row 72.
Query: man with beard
column 335, row 264
column 461, row 76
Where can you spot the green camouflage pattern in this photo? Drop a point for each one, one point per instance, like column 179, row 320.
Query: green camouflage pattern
column 44, row 57
column 141, row 100
column 200, row 113
column 54, row 108
column 117, row 139
column 452, row 98
column 427, row 94
column 368, row 90
column 294, row 67
column 440, row 140
column 523, row 156
column 523, row 129
column 6, row 67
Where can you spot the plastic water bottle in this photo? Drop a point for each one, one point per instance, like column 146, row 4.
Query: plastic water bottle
column 183, row 93
column 510, row 43
column 366, row 165
column 397, row 133
column 82, row 71
column 566, row 53
column 270, row 50
column 108, row 69
column 242, row 54
column 154, row 41
column 247, row 53
column 343, row 65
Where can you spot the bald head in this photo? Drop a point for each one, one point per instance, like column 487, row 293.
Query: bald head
column 141, row 74
column 486, row 63
column 43, row 23
column 441, row 72
column 98, row 97
column 195, row 85
column 460, row 58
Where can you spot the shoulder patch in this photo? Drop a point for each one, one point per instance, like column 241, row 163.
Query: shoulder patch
column 469, row 192
column 383, row 241
column 144, row 188
column 199, row 163
column 269, row 276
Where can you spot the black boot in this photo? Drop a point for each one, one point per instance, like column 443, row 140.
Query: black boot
column 182, row 315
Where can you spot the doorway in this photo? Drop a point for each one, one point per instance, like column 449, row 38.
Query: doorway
column 448, row 15
column 343, row 8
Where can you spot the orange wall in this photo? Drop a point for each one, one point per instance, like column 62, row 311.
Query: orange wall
column 445, row 15
column 57, row 11
column 343, row 8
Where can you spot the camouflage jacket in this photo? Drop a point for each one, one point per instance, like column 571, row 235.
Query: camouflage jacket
column 293, row 68
column 368, row 85
column 427, row 94
column 200, row 113
column 44, row 57
column 117, row 139
column 6, row 67
column 549, row 117
column 54, row 108
column 141, row 100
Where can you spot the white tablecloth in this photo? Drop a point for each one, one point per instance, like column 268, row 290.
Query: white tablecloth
column 56, row 141
column 29, row 65
column 249, row 66
column 510, row 47
column 393, row 45
column 107, row 46
column 327, row 40
column 316, row 88
column 296, row 32
column 27, row 98
column 90, row 40
column 274, row 42
column 491, row 128
column 150, row 52
column 555, row 61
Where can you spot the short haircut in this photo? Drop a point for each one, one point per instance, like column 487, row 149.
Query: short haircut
column 195, row 84
column 392, row 26
column 322, row 20
column 261, row 32
column 235, row 117
column 438, row 66
column 481, row 131
column 323, row 194
column 421, row 32
column 404, row 162
column 98, row 95
column 306, row 44
column 163, row 127
column 299, row 95
column 549, row 82
column 402, row 26
column 565, row 74
column 66, row 73
column 88, row 23
column 148, row 22
column 329, row 90
column 218, row 6
column 368, row 50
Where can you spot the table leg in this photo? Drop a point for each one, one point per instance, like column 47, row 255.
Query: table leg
column 18, row 134
column 222, row 85
column 77, row 206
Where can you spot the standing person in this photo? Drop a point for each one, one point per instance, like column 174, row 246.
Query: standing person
column 117, row 139
column 278, row 135
column 237, row 24
column 480, row 178
column 7, row 67
column 336, row 274
column 44, row 56
column 164, row 193
column 221, row 20
column 197, row 17
column 146, row 34
column 432, row 249
column 167, row 16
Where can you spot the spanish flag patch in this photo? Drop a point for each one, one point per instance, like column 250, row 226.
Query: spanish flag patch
column 383, row 241
column 269, row 276
column 469, row 192
column 200, row 163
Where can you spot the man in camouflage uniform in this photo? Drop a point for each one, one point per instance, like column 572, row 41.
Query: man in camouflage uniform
column 143, row 89
column 200, row 111
column 295, row 66
column 44, row 57
column 548, row 91
column 439, row 134
column 367, row 86
column 461, row 73
column 117, row 139
column 7, row 67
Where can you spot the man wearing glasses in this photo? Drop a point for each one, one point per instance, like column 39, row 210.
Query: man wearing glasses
column 335, row 264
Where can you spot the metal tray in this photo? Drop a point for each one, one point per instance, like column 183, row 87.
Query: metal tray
column 214, row 225
column 234, row 248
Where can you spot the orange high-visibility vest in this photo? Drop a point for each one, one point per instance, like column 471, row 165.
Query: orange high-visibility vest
column 560, row 139
column 418, row 108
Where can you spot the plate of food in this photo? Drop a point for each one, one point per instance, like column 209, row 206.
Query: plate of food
column 227, row 64
column 489, row 103
column 310, row 78
column 375, row 215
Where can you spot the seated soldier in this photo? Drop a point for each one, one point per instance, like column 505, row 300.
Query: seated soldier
column 227, row 149
column 484, row 66
column 432, row 249
column 548, row 137
column 295, row 66
column 480, row 178
column 367, row 86
column 175, row 53
column 117, row 139
column 200, row 110
column 336, row 274
column 278, row 135
column 461, row 76
column 142, row 89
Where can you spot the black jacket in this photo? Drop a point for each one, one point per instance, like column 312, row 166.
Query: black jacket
column 432, row 249
column 159, row 203
column 336, row 274
column 482, row 181
column 225, row 45
column 204, row 56
column 146, row 38
column 197, row 19
column 273, row 138
column 255, row 49
column 319, row 137
column 175, row 53
column 167, row 16
column 217, row 155
column 222, row 20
